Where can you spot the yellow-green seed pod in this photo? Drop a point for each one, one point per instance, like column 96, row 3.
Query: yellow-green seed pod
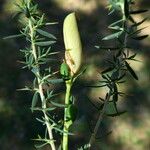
column 73, row 53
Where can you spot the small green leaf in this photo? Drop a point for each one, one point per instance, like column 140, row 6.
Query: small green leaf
column 61, row 131
column 131, row 71
column 13, row 36
column 55, row 81
column 38, row 146
column 58, row 104
column 118, row 28
column 113, row 36
column 46, row 34
column 34, row 100
column 115, row 23
column 45, row 43
column 40, row 120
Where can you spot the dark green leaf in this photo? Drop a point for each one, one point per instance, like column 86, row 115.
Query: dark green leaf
column 46, row 34
column 55, row 81
column 13, row 36
column 139, row 23
column 114, row 23
column 115, row 94
column 138, row 11
column 140, row 37
column 136, row 31
column 34, row 100
column 116, row 114
column 131, row 19
column 107, row 48
column 107, row 70
column 45, row 43
column 113, row 36
column 132, row 56
column 126, row 8
column 131, row 71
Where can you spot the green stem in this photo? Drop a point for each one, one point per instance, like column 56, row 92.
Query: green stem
column 100, row 119
column 66, row 123
column 40, row 86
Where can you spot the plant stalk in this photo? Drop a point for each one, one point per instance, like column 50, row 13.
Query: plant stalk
column 99, row 121
column 40, row 87
column 66, row 123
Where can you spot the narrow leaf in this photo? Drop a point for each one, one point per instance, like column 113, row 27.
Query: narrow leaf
column 38, row 146
column 115, row 23
column 137, row 31
column 13, row 36
column 46, row 34
column 116, row 28
column 138, row 11
column 45, row 43
column 34, row 100
column 126, row 8
column 57, row 104
column 113, row 36
column 140, row 37
column 116, row 114
column 131, row 71
column 107, row 48
column 131, row 19
column 55, row 81
column 107, row 70
column 132, row 56
column 139, row 23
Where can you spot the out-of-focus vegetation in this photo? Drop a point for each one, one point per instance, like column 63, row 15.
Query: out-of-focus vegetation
column 17, row 126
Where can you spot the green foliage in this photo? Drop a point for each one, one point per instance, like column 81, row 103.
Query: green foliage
column 124, row 29
column 39, row 53
column 37, row 56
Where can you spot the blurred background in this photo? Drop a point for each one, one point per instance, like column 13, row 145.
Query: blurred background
column 18, row 126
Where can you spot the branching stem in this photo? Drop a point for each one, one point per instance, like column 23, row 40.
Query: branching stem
column 40, row 88
column 100, row 118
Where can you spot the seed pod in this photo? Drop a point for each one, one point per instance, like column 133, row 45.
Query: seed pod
column 73, row 53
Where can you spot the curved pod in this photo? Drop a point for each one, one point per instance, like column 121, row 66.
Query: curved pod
column 73, row 52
